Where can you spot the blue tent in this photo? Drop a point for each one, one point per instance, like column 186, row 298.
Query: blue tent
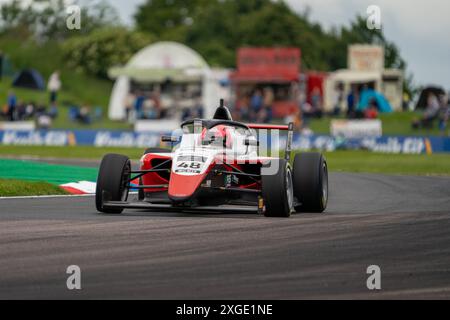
column 368, row 95
column 30, row 79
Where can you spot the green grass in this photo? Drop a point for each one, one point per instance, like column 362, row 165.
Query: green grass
column 396, row 123
column 81, row 90
column 82, row 152
column 365, row 161
column 39, row 171
column 11, row 188
column 77, row 88
column 346, row 161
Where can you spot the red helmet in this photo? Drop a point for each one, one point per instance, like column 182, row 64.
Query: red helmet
column 221, row 134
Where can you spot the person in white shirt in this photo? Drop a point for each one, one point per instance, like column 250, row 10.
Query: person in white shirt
column 54, row 85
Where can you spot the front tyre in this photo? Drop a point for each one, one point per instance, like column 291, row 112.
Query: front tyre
column 310, row 182
column 277, row 189
column 112, row 182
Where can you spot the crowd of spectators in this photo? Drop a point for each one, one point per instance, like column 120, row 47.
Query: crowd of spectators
column 18, row 110
column 256, row 106
column 43, row 114
column 313, row 108
column 150, row 105
column 437, row 110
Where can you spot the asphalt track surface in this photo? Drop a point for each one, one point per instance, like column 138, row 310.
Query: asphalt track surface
column 399, row 223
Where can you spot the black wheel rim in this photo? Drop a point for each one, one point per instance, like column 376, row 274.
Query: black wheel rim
column 126, row 174
column 289, row 190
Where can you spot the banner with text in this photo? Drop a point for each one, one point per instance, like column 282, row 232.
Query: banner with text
column 105, row 138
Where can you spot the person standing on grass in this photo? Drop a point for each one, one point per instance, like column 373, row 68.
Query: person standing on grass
column 12, row 103
column 444, row 113
column 256, row 104
column 54, row 85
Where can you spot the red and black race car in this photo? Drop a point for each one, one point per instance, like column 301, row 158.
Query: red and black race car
column 215, row 165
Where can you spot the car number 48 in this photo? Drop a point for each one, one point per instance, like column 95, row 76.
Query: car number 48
column 191, row 165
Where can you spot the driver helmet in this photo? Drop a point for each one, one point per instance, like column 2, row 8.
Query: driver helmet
column 217, row 136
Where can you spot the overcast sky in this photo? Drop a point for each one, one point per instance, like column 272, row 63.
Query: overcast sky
column 419, row 27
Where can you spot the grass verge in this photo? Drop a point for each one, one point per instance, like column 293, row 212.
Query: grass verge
column 369, row 162
column 11, row 188
column 74, row 152
column 345, row 161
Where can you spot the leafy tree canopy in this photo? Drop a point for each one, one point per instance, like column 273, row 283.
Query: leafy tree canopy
column 216, row 28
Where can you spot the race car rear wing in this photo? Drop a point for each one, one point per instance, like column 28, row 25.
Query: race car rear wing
column 268, row 126
column 289, row 128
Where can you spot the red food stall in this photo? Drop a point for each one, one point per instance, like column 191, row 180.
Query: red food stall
column 274, row 68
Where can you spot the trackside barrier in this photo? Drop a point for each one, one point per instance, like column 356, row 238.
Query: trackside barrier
column 105, row 138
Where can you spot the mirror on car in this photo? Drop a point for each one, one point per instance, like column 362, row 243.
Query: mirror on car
column 171, row 139
column 251, row 142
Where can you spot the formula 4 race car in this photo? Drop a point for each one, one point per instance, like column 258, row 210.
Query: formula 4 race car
column 215, row 166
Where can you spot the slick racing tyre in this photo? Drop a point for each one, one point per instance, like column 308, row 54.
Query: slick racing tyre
column 277, row 190
column 112, row 181
column 310, row 182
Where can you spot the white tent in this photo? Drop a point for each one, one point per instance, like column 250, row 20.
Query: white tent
column 157, row 63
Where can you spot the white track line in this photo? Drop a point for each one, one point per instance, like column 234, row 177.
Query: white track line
column 49, row 196
column 53, row 196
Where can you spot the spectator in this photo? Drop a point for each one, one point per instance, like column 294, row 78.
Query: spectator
column 256, row 104
column 444, row 115
column 53, row 113
column 198, row 109
column 430, row 114
column 149, row 110
column 30, row 110
column 339, row 99
column 268, row 104
column 139, row 105
column 4, row 112
column 98, row 113
column 405, row 101
column 243, row 112
column 84, row 116
column 129, row 104
column 54, row 85
column 372, row 110
column 43, row 120
column 316, row 102
column 351, row 102
column 20, row 111
column 307, row 112
column 156, row 97
column 12, row 103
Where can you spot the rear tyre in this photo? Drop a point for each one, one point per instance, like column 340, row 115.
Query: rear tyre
column 277, row 190
column 112, row 181
column 310, row 182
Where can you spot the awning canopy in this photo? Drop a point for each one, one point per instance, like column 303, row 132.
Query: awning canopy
column 258, row 76
column 163, row 61
column 157, row 75
column 270, row 65
column 351, row 76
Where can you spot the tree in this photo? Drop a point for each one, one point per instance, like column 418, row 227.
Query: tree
column 359, row 33
column 103, row 48
column 168, row 19
column 46, row 19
